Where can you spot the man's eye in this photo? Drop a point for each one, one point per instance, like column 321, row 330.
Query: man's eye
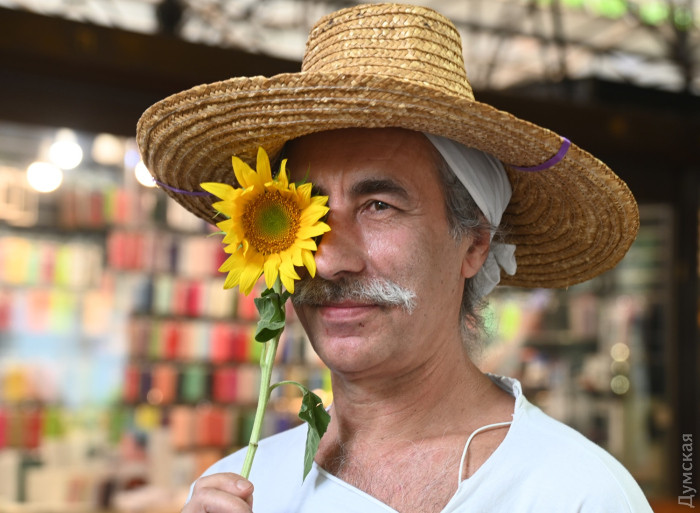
column 379, row 205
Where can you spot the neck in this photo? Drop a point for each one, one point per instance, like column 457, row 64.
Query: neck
column 447, row 390
column 399, row 436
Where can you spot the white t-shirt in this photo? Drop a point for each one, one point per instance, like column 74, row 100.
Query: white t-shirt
column 542, row 465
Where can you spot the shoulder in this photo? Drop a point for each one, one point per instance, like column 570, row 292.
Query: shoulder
column 550, row 466
column 569, row 465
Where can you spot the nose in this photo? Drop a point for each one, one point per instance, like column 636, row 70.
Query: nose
column 341, row 251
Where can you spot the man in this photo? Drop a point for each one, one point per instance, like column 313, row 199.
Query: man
column 382, row 121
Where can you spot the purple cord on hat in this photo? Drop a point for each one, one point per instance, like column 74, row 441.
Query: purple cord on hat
column 565, row 145
column 181, row 191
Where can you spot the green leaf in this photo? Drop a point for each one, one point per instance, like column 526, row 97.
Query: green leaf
column 305, row 179
column 315, row 415
column 285, row 295
column 270, row 306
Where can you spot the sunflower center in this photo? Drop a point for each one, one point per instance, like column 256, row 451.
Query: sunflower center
column 271, row 222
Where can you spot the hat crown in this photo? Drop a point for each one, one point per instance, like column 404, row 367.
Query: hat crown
column 403, row 42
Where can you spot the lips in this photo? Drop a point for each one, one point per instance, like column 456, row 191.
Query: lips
column 346, row 311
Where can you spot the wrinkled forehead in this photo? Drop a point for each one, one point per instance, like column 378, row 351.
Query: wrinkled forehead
column 380, row 147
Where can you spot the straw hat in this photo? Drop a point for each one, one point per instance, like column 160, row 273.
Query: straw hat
column 388, row 65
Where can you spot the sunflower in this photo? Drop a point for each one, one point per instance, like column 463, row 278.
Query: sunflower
column 270, row 225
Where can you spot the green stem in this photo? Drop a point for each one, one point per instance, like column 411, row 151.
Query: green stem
column 267, row 360
column 288, row 382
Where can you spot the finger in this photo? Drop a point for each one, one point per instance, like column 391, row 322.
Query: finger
column 211, row 500
column 227, row 481
column 229, row 487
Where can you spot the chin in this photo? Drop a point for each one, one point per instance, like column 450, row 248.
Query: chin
column 348, row 354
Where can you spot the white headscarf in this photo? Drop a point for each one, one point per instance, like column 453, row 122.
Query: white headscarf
column 485, row 179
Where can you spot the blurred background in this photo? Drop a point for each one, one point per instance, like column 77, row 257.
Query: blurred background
column 125, row 369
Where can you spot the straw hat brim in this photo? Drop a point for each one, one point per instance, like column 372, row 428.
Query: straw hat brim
column 569, row 223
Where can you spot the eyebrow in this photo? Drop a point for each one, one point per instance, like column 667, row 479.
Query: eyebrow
column 370, row 186
column 378, row 185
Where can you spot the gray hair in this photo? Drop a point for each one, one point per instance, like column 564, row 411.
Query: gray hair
column 464, row 218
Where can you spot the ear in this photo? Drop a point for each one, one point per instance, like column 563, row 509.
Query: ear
column 477, row 250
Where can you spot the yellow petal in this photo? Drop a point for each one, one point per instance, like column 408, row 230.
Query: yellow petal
column 230, row 249
column 244, row 174
column 319, row 200
column 225, row 226
column 235, row 261
column 264, row 172
column 224, row 207
column 233, row 265
column 271, row 269
column 282, row 176
column 304, row 192
column 228, row 265
column 232, row 279
column 311, row 215
column 288, row 282
column 309, row 262
column 295, row 255
column 317, row 209
column 306, row 244
column 220, row 190
column 309, row 232
column 287, row 275
column 236, row 233
column 287, row 269
column 232, row 239
column 251, row 272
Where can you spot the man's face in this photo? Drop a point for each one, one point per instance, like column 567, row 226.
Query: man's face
column 388, row 222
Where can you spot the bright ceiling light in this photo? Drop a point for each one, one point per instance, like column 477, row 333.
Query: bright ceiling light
column 143, row 176
column 65, row 152
column 44, row 177
column 108, row 150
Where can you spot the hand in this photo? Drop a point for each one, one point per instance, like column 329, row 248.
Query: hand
column 221, row 493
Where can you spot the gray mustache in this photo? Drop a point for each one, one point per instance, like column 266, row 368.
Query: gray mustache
column 377, row 291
